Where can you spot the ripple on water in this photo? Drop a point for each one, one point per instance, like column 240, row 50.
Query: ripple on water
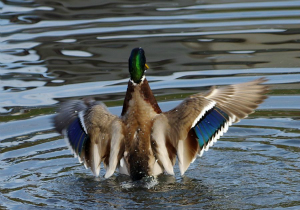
column 52, row 52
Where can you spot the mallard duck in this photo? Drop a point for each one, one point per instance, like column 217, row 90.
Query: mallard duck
column 144, row 141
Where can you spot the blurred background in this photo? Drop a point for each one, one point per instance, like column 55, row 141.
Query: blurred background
column 57, row 50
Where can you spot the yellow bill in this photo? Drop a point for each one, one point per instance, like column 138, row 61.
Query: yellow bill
column 146, row 67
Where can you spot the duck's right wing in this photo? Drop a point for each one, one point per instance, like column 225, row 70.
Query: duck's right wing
column 92, row 133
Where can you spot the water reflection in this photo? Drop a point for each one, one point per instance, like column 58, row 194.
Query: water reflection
column 55, row 51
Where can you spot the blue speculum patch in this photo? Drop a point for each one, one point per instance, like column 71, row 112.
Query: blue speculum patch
column 209, row 125
column 77, row 136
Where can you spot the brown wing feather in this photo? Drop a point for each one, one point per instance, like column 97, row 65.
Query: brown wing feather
column 174, row 127
column 240, row 100
column 98, row 120
column 99, row 125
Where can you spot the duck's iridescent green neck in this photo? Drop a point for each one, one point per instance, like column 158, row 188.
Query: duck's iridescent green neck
column 137, row 65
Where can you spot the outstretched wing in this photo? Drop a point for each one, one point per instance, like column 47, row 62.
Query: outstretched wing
column 240, row 100
column 200, row 120
column 92, row 133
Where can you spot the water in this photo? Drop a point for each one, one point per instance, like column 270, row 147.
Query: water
column 53, row 51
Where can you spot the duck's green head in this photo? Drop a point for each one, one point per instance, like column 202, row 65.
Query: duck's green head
column 137, row 65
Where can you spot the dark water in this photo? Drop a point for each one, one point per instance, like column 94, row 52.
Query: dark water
column 53, row 51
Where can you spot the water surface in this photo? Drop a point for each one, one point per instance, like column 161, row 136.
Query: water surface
column 53, row 51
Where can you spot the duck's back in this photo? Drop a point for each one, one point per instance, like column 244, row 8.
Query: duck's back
column 139, row 109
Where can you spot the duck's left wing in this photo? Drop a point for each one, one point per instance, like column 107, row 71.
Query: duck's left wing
column 172, row 133
column 92, row 133
column 200, row 120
